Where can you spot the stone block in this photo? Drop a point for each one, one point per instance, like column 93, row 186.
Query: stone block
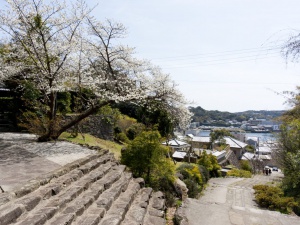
column 63, row 219
column 156, row 212
column 71, row 193
column 50, row 190
column 135, row 214
column 158, row 201
column 111, row 220
column 97, row 211
column 95, row 191
column 76, row 209
column 140, row 181
column 27, row 188
column 104, row 202
column 48, row 211
column 56, row 202
column 89, row 220
column 151, row 220
column 9, row 213
column 37, row 219
column 29, row 201
column 6, row 197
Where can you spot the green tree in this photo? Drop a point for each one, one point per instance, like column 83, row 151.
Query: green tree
column 219, row 134
column 192, row 177
column 210, row 162
column 146, row 157
column 59, row 46
column 288, row 152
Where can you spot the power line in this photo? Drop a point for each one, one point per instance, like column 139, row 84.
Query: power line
column 224, row 53
column 197, row 64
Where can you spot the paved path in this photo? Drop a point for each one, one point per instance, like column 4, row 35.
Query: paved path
column 22, row 158
column 229, row 201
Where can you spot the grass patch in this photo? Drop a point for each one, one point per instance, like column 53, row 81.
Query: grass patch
column 239, row 173
column 272, row 197
column 93, row 141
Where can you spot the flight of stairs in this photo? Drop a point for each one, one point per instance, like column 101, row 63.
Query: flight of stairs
column 90, row 191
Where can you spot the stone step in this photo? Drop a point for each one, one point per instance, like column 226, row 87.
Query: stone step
column 138, row 209
column 156, row 210
column 116, row 213
column 94, row 191
column 56, row 191
column 60, row 207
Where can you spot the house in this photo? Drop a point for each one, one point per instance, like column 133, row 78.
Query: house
column 220, row 155
column 238, row 147
column 253, row 141
column 201, row 142
column 177, row 145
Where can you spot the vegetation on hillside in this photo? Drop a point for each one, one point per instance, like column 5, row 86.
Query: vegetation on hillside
column 288, row 151
column 272, row 197
column 54, row 50
column 146, row 158
column 219, row 118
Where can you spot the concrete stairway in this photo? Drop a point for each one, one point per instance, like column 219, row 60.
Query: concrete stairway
column 90, row 191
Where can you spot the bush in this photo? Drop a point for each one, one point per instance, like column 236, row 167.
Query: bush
column 245, row 165
column 122, row 138
column 210, row 162
column 192, row 178
column 204, row 173
column 273, row 198
column 239, row 173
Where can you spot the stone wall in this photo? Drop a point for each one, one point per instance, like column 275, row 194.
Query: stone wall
column 97, row 126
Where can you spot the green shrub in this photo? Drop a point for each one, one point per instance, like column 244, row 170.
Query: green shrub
column 122, row 138
column 273, row 198
column 204, row 173
column 192, row 178
column 210, row 162
column 239, row 173
column 245, row 165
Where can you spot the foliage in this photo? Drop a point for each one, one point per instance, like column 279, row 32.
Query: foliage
column 90, row 140
column 250, row 148
column 146, row 157
column 245, row 165
column 239, row 173
column 273, row 198
column 218, row 135
column 61, row 47
column 215, row 117
column 134, row 130
column 124, row 122
column 192, row 178
column 122, row 137
column 288, row 151
column 64, row 102
column 152, row 115
column 110, row 115
column 210, row 162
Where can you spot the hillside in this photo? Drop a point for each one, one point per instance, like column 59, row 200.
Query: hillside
column 206, row 116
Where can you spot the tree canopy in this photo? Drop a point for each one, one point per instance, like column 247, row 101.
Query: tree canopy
column 288, row 151
column 146, row 158
column 59, row 46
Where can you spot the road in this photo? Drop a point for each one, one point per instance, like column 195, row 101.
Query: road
column 230, row 201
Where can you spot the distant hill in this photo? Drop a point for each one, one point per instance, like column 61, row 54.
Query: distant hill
column 206, row 116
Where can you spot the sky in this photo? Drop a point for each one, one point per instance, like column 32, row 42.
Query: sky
column 223, row 54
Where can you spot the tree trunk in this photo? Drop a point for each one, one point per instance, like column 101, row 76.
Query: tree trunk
column 54, row 134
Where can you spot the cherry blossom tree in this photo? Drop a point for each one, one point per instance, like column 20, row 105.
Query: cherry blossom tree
column 58, row 46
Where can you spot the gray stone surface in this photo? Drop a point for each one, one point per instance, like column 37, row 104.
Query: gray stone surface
column 22, row 158
column 230, row 201
column 92, row 190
